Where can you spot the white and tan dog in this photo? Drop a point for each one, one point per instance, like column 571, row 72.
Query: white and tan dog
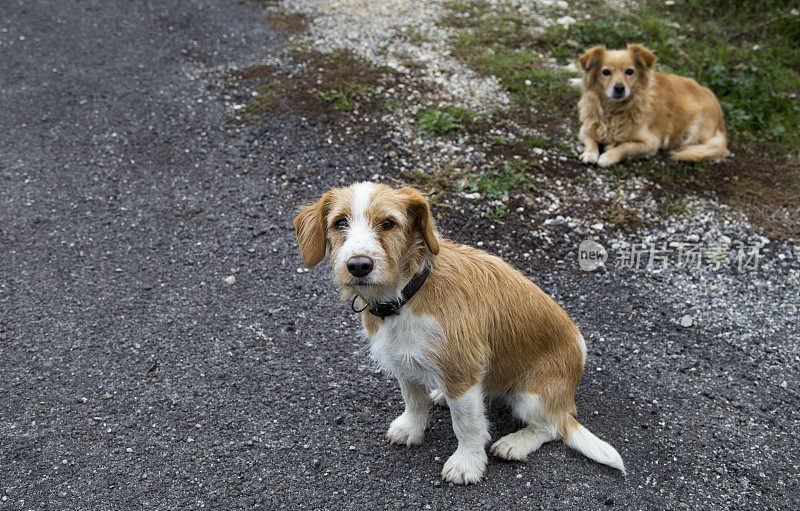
column 453, row 320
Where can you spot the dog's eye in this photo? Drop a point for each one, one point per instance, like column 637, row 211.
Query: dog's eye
column 629, row 71
column 340, row 224
column 387, row 224
column 606, row 72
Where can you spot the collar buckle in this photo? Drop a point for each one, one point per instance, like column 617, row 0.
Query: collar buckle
column 392, row 307
column 384, row 309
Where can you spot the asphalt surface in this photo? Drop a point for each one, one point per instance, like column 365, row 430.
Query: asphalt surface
column 133, row 377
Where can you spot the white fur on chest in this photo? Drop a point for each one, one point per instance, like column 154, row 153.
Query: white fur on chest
column 404, row 344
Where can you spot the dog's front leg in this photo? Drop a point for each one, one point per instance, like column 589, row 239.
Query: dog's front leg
column 627, row 150
column 591, row 149
column 409, row 427
column 468, row 464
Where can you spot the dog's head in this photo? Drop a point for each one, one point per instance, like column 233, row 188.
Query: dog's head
column 617, row 73
column 375, row 235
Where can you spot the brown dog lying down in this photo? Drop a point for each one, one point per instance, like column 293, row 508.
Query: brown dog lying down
column 634, row 111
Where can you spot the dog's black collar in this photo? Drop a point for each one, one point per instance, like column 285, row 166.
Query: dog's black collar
column 392, row 307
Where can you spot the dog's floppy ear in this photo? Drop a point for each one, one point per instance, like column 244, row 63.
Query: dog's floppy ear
column 310, row 229
column 420, row 211
column 592, row 57
column 642, row 55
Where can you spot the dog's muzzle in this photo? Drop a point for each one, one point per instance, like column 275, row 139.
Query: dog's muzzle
column 618, row 92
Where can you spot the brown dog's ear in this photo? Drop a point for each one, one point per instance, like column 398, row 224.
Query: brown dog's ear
column 310, row 229
column 642, row 55
column 592, row 57
column 420, row 211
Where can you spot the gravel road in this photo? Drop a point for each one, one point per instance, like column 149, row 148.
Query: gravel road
column 136, row 376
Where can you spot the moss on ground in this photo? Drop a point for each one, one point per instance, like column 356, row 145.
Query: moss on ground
column 326, row 85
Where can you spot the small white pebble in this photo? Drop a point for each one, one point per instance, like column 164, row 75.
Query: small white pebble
column 229, row 280
column 566, row 21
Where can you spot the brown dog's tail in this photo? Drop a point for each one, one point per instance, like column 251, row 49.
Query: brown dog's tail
column 716, row 147
column 582, row 440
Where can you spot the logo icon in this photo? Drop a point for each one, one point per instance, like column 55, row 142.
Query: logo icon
column 591, row 255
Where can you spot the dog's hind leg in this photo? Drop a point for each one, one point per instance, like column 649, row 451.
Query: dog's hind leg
column 713, row 149
column 541, row 428
column 544, row 426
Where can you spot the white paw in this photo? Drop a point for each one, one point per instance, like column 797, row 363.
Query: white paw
column 512, row 447
column 406, row 430
column 465, row 467
column 587, row 157
column 606, row 161
column 437, row 398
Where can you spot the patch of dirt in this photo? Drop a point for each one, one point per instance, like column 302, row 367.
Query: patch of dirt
column 265, row 3
column 287, row 22
column 765, row 187
column 311, row 84
column 259, row 71
column 768, row 191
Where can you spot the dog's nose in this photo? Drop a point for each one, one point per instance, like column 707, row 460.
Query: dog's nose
column 619, row 88
column 360, row 266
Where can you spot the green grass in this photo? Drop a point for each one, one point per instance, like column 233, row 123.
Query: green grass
column 497, row 27
column 263, row 101
column 499, row 41
column 492, row 182
column 337, row 98
column 414, row 35
column 532, row 142
column 498, row 140
column 436, row 122
column 744, row 51
column 677, row 206
column 619, row 214
column 439, row 123
column 495, row 184
column 390, row 104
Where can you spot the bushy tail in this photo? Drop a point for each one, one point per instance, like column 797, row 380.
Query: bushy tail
column 582, row 440
column 716, row 147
